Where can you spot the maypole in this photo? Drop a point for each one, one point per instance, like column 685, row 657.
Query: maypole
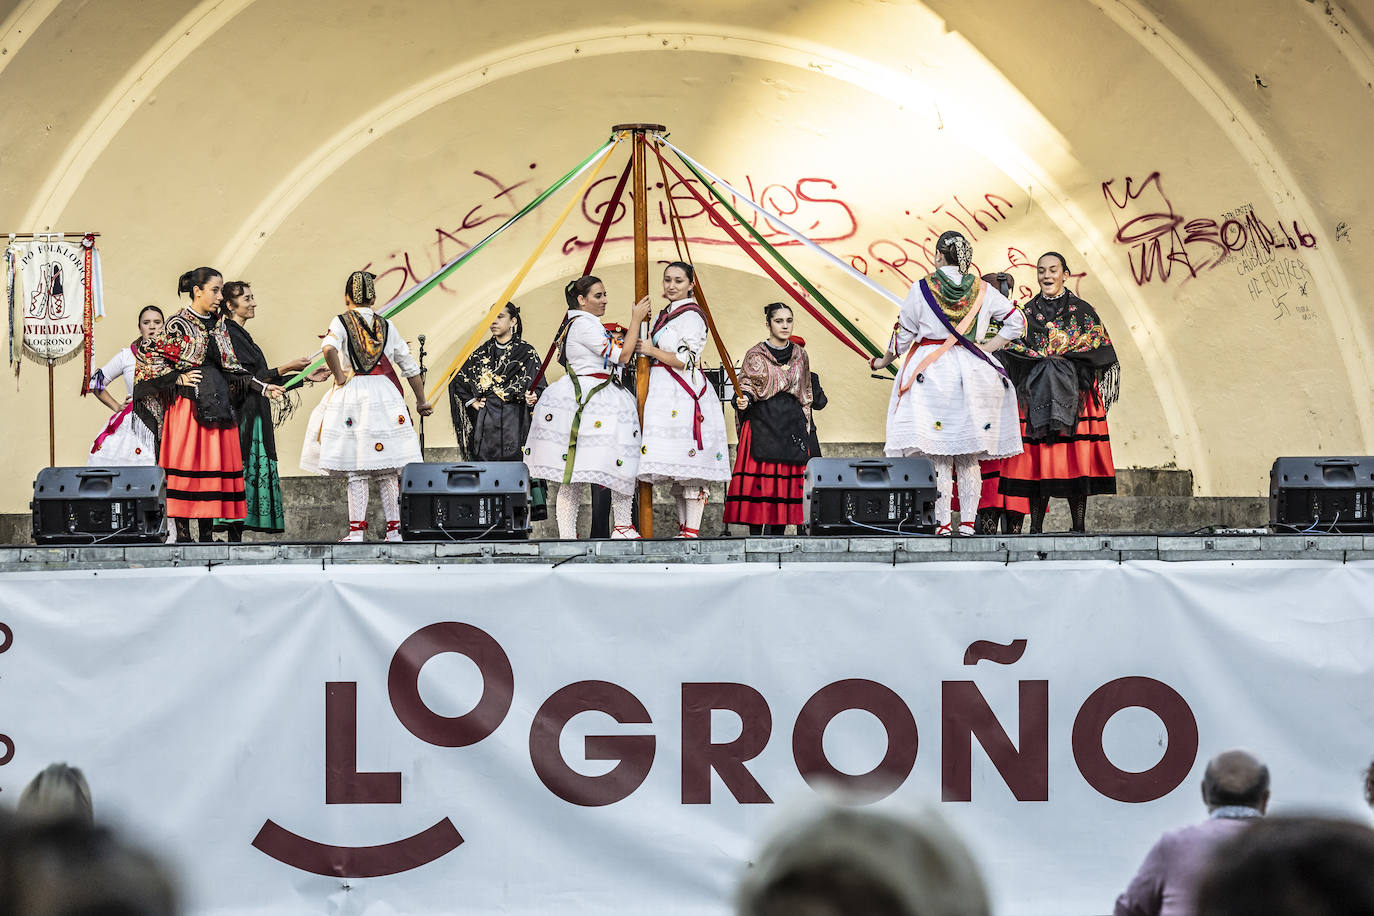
column 645, row 520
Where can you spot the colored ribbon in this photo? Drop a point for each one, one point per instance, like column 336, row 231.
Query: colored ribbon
column 962, row 340
column 571, row 457
column 120, row 416
column 945, row 345
column 787, row 265
column 794, row 233
column 697, row 415
column 607, row 218
column 407, row 298
column 758, row 258
column 684, row 250
column 476, row 339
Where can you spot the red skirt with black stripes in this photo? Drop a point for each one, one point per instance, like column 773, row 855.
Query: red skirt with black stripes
column 204, row 466
column 763, row 492
column 1064, row 465
column 992, row 496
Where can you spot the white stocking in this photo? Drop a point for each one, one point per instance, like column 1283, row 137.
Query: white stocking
column 565, row 509
column 970, row 487
column 357, row 497
column 622, row 508
column 695, row 503
column 944, row 480
column 389, row 488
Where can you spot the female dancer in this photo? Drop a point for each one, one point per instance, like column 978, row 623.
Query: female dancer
column 181, row 391
column 1068, row 377
column 951, row 401
column 261, row 484
column 775, row 439
column 126, row 440
column 684, row 423
column 491, row 416
column 362, row 430
column 586, row 429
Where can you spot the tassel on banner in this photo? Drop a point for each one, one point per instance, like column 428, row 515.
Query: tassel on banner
column 87, row 311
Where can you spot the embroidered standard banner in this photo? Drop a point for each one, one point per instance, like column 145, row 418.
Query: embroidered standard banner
column 58, row 303
column 379, row 739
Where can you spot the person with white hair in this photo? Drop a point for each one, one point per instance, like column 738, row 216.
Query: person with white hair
column 852, row 860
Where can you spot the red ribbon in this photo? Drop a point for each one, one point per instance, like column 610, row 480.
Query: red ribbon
column 113, row 425
column 697, row 415
column 607, row 218
column 758, row 259
column 88, row 315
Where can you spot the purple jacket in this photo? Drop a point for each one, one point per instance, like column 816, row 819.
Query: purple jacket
column 1168, row 878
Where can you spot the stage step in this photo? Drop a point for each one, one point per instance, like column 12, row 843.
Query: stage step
column 1150, row 500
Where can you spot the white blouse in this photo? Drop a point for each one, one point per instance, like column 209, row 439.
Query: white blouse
column 395, row 348
column 587, row 345
column 684, row 335
column 122, row 364
column 918, row 321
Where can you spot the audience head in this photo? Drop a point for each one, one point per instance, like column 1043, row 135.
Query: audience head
column 1235, row 778
column 955, row 249
column 848, row 861
column 71, row 868
column 361, row 288
column 59, row 792
column 1292, row 866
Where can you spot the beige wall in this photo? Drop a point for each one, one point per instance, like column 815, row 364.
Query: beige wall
column 288, row 143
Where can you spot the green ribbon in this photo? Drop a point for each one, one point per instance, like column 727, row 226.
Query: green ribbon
column 806, row 284
column 410, row 296
column 577, row 422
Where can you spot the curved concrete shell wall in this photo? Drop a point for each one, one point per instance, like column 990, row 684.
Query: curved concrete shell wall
column 1203, row 167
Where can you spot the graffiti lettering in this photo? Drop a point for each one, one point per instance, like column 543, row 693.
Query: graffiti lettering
column 1160, row 240
column 911, row 258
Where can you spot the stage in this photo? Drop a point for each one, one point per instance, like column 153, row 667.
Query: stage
column 1105, row 548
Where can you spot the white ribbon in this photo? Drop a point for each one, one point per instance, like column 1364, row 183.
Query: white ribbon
column 795, row 234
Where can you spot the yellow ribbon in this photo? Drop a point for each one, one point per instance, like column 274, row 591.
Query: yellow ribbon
column 472, row 342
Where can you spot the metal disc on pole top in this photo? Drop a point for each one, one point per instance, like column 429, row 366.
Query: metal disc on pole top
column 640, row 128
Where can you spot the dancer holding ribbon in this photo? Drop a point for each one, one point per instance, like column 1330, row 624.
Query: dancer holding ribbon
column 586, row 429
column 951, row 401
column 362, row 430
column 126, row 440
column 684, row 424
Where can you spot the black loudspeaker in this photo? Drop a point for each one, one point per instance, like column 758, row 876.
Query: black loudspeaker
column 855, row 496
column 1322, row 494
column 118, row 505
column 465, row 502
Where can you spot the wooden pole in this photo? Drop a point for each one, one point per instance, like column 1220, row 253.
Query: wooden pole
column 642, row 364
column 52, row 422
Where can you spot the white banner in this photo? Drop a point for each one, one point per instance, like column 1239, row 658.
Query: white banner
column 54, row 285
column 619, row 738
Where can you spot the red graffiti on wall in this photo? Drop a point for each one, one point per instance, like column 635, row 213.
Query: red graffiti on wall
column 1160, row 241
column 912, row 257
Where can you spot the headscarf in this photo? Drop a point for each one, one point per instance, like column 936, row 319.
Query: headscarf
column 956, row 249
column 362, row 288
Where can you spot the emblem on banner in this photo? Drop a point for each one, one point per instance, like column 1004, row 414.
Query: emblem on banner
column 54, row 275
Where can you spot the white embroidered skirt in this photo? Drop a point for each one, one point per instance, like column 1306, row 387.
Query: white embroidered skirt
column 962, row 407
column 607, row 448
column 363, row 426
column 127, row 442
column 670, row 451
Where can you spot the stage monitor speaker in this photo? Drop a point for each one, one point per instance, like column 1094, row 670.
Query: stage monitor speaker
column 116, row 505
column 465, row 502
column 848, row 496
column 1322, row 495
